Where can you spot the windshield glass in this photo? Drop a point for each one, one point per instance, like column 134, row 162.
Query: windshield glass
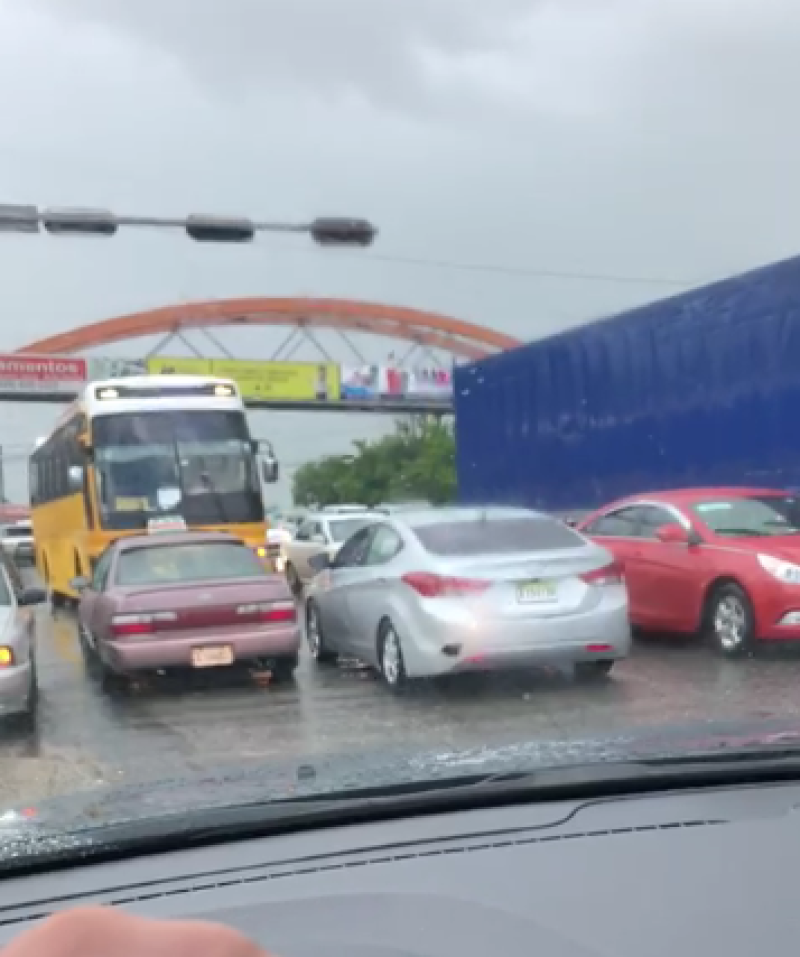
column 195, row 464
column 17, row 531
column 389, row 293
column 751, row 515
column 343, row 528
column 206, row 561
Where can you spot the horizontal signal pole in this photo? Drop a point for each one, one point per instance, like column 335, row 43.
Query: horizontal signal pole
column 102, row 223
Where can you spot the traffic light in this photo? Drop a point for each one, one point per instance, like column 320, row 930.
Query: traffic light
column 81, row 222
column 218, row 229
column 337, row 231
column 326, row 230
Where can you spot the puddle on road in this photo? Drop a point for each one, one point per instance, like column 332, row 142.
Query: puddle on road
column 27, row 776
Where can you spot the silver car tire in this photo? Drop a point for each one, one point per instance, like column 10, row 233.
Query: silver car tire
column 315, row 636
column 32, row 703
column 26, row 720
column 390, row 656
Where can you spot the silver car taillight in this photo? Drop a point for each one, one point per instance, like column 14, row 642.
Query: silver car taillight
column 607, row 575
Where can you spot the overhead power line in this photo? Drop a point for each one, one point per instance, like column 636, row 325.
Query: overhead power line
column 498, row 269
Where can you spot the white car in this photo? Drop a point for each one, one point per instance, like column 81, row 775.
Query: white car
column 18, row 684
column 277, row 537
column 323, row 533
column 17, row 542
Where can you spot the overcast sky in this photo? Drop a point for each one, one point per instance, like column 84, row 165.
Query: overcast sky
column 638, row 139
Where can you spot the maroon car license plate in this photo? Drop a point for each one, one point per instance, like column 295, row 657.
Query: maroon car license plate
column 212, row 656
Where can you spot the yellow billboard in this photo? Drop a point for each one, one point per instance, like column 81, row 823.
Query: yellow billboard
column 180, row 366
column 276, row 381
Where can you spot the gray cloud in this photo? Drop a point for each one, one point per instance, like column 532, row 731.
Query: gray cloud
column 370, row 48
column 402, row 50
column 649, row 137
column 627, row 137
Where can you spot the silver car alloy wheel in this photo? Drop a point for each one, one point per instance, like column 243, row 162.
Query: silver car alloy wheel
column 730, row 623
column 391, row 657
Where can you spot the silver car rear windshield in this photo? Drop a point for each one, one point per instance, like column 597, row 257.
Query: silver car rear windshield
column 206, row 561
column 496, row 536
column 18, row 531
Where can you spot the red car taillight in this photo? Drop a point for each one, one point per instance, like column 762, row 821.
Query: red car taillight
column 443, row 586
column 607, row 575
column 124, row 626
column 269, row 612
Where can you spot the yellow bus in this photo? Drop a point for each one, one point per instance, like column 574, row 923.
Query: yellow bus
column 138, row 450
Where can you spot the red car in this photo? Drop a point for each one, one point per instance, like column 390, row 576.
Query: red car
column 185, row 600
column 724, row 561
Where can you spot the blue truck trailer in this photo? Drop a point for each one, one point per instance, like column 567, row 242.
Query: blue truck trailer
column 699, row 389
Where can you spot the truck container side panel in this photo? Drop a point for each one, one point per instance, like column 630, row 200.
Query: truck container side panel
column 700, row 389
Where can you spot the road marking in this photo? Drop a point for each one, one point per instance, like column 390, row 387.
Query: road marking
column 65, row 640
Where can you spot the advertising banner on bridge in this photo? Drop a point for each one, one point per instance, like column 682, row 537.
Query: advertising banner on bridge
column 182, row 366
column 53, row 374
column 430, row 383
column 269, row 381
column 379, row 382
column 106, row 367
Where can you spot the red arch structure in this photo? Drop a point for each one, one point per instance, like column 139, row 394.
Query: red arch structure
column 463, row 339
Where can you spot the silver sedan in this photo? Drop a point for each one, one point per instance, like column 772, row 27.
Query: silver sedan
column 18, row 684
column 447, row 590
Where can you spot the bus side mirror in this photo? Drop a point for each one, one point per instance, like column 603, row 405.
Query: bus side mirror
column 270, row 470
column 75, row 478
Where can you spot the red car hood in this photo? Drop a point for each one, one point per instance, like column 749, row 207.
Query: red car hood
column 182, row 596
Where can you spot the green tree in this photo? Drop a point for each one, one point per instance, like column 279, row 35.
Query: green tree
column 417, row 461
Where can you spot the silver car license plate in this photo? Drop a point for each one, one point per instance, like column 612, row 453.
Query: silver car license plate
column 537, row 590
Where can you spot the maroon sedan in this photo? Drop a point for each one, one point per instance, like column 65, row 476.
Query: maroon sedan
column 185, row 600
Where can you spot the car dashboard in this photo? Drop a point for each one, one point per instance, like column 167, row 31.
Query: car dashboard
column 709, row 871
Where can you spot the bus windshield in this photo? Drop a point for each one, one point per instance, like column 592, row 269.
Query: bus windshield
column 196, row 464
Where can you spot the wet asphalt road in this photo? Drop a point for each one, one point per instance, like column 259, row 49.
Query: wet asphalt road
column 85, row 737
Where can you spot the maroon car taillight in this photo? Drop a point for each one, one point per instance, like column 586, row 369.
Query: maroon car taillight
column 124, row 626
column 272, row 612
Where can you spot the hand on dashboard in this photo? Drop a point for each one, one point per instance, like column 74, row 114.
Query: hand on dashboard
column 108, row 932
